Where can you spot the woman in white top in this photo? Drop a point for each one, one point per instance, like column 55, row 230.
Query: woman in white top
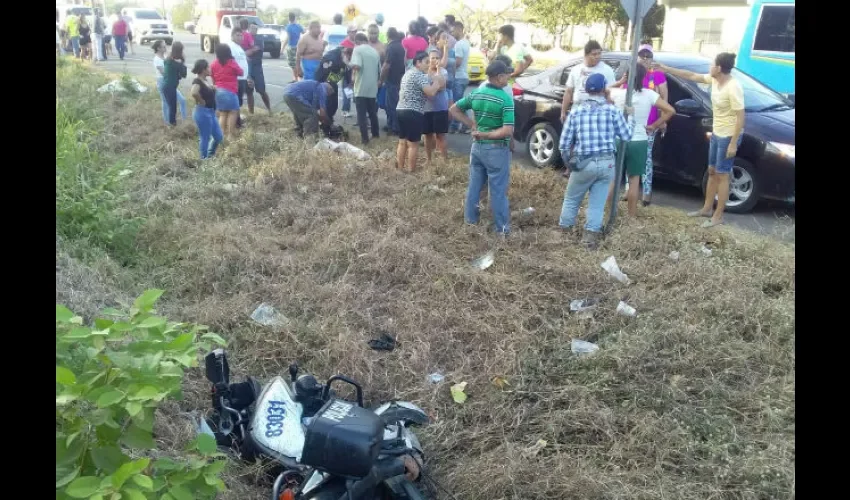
column 637, row 149
column 159, row 67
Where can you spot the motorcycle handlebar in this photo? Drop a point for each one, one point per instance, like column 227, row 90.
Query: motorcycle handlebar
column 379, row 472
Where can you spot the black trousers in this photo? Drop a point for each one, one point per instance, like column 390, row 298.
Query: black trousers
column 367, row 105
column 171, row 98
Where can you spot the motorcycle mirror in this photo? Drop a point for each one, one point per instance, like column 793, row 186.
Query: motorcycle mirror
column 217, row 368
column 293, row 372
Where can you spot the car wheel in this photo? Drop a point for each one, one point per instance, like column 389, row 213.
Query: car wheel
column 208, row 45
column 169, row 41
column 275, row 54
column 542, row 145
column 744, row 187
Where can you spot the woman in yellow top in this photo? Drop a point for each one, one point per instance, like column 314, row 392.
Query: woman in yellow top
column 727, row 107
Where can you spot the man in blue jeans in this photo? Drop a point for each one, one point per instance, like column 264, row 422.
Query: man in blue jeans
column 490, row 156
column 593, row 127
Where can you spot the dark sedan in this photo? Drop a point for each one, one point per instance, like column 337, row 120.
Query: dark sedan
column 765, row 164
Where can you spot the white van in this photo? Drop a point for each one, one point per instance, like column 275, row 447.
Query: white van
column 147, row 25
column 68, row 9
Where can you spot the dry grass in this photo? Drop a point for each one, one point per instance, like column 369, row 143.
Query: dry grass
column 692, row 399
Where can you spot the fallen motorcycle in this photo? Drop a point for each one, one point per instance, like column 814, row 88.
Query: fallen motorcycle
column 322, row 447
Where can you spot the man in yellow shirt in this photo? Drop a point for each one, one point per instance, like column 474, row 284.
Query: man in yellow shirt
column 72, row 26
column 727, row 108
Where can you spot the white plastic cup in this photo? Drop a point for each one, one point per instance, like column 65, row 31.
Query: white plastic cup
column 626, row 310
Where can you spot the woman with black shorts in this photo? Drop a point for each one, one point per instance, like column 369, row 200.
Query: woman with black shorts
column 85, row 39
column 436, row 110
column 415, row 90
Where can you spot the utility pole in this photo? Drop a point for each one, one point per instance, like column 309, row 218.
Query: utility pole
column 636, row 9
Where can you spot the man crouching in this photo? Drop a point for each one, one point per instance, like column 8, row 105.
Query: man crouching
column 308, row 101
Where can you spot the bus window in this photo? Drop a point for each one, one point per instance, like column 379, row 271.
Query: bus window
column 775, row 31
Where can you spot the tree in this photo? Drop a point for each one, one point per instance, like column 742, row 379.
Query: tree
column 269, row 15
column 556, row 15
column 479, row 20
column 182, row 12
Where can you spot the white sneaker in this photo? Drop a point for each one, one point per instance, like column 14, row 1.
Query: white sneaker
column 346, row 114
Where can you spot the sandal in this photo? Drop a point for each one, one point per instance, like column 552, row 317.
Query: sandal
column 699, row 213
column 710, row 223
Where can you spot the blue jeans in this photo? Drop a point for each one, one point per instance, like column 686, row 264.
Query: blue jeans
column 717, row 147
column 181, row 101
column 75, row 44
column 208, row 128
column 392, row 103
column 595, row 178
column 458, row 89
column 490, row 164
column 121, row 45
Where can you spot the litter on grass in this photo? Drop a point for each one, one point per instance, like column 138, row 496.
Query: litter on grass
column 611, row 267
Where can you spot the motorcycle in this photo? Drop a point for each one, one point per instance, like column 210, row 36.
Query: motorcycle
column 322, row 447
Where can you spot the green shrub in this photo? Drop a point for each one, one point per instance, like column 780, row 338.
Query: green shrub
column 88, row 191
column 110, row 378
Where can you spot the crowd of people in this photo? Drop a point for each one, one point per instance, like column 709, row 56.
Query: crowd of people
column 92, row 40
column 420, row 80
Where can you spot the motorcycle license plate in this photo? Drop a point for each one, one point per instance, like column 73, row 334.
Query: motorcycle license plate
column 277, row 420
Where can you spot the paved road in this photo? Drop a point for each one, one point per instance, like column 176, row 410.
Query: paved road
column 774, row 219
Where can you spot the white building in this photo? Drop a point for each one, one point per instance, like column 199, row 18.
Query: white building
column 704, row 26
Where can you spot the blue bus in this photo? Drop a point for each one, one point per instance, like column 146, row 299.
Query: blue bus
column 767, row 49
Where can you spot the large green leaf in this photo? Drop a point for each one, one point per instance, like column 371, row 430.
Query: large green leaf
column 65, row 376
column 181, row 493
column 78, row 334
column 133, row 407
column 152, row 322
column 138, row 438
column 206, row 444
column 110, row 398
column 83, row 487
column 146, row 301
column 63, row 314
column 145, row 393
column 66, row 477
column 181, row 342
column 134, row 494
column 128, row 470
column 143, row 481
column 215, row 338
column 108, row 458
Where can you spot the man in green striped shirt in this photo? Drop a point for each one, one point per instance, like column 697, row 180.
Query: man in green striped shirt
column 490, row 156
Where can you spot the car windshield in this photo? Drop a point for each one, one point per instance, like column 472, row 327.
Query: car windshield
column 251, row 20
column 757, row 97
column 80, row 10
column 147, row 14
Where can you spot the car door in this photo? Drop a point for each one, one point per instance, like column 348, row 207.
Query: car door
column 681, row 154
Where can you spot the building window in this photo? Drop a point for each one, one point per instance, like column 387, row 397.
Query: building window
column 775, row 31
column 708, row 31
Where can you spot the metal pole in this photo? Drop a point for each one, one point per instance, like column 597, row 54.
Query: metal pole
column 621, row 152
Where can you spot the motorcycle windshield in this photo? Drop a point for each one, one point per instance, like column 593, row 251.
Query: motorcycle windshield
column 277, row 420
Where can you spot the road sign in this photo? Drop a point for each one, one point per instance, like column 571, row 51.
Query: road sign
column 351, row 11
column 643, row 7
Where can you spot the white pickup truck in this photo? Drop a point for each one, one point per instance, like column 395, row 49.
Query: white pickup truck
column 210, row 36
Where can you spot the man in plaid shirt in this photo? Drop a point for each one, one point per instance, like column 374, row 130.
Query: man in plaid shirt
column 593, row 127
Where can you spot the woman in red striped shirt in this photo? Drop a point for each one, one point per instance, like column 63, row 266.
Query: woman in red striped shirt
column 225, row 72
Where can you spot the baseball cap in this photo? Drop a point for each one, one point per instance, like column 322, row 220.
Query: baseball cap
column 507, row 60
column 352, row 27
column 595, row 83
column 497, row 68
column 647, row 47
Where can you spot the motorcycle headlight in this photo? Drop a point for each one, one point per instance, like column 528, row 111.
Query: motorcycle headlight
column 783, row 149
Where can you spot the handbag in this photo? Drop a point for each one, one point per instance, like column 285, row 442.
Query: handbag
column 382, row 97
